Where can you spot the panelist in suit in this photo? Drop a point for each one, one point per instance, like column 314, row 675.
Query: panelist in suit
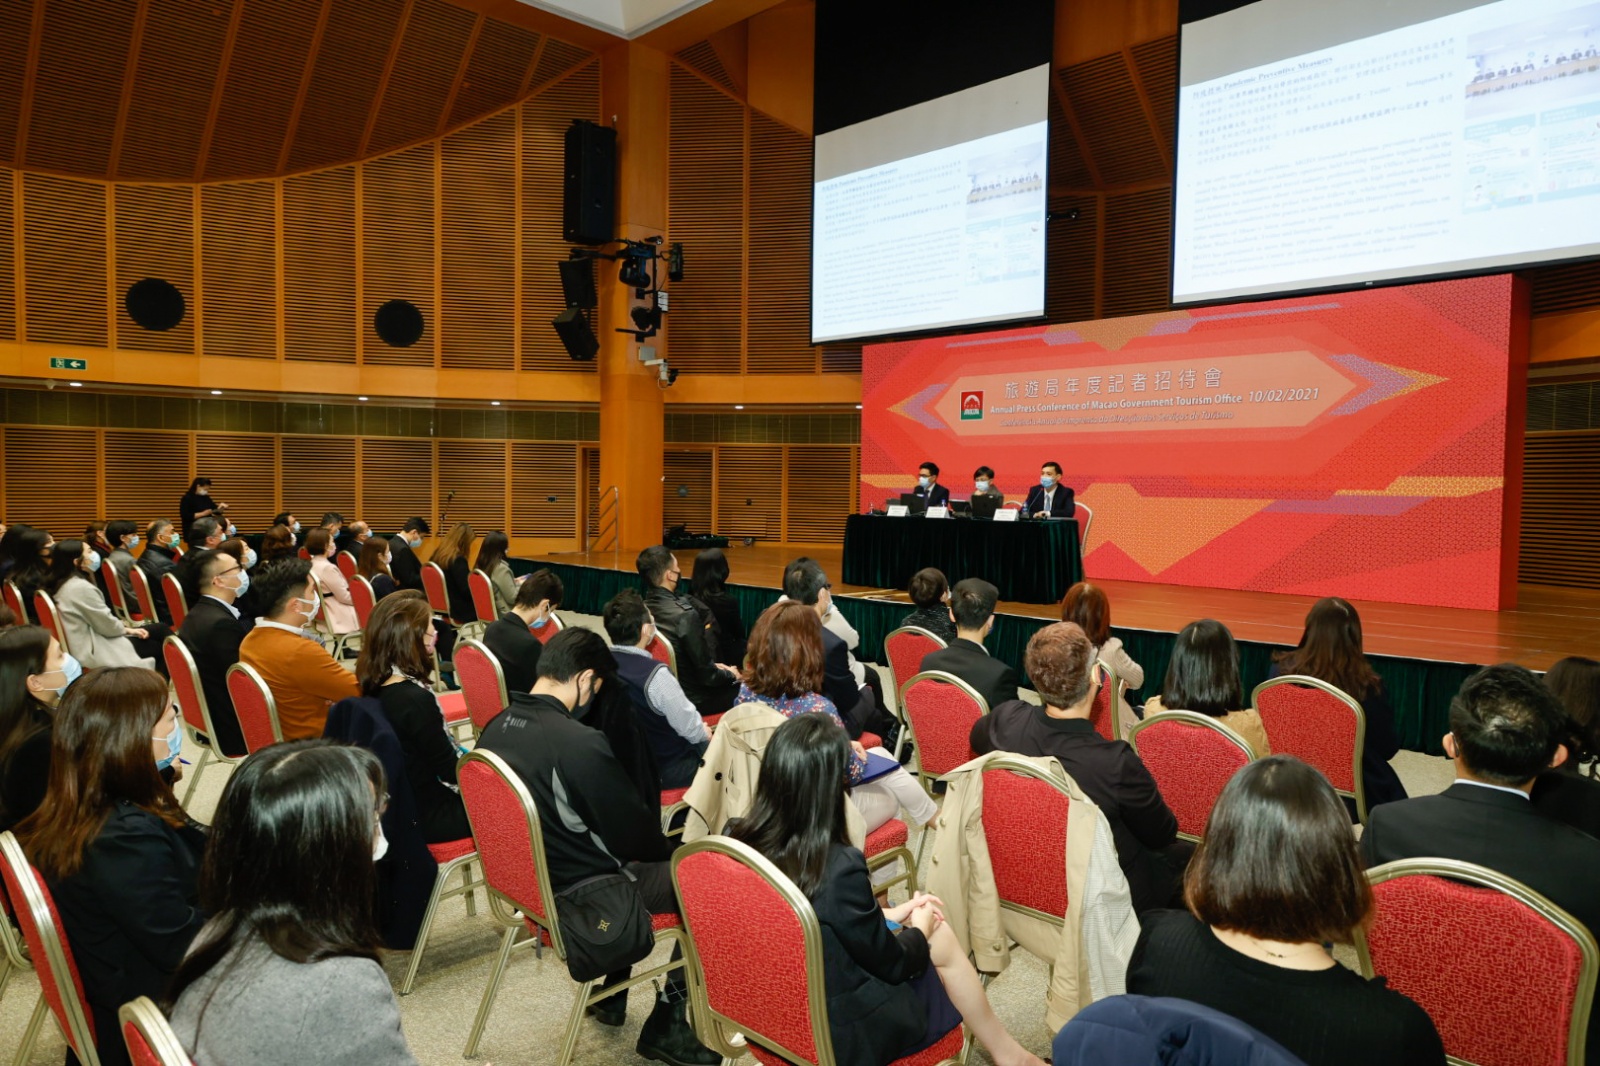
column 928, row 486
column 1505, row 727
column 972, row 604
column 213, row 631
column 1049, row 498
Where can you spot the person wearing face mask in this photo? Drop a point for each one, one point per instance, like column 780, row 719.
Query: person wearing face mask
column 34, row 673
column 928, row 486
column 304, row 679
column 95, row 635
column 213, row 631
column 197, row 503
column 983, row 484
column 1049, row 498
column 595, row 819
column 278, row 543
column 374, row 566
column 712, row 686
column 34, row 550
column 159, row 556
column 353, row 539
column 404, row 564
column 972, row 603
column 114, row 845
column 124, row 538
column 338, row 608
column 207, row 533
column 513, row 638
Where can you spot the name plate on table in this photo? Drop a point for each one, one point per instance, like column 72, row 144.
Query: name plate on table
column 898, row 510
column 1006, row 515
column 938, row 512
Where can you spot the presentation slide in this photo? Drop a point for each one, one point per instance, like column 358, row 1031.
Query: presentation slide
column 933, row 216
column 1320, row 145
column 1352, row 445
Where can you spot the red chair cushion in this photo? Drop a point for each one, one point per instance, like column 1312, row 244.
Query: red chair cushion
column 890, row 835
column 659, row 922
column 451, row 850
column 673, row 795
column 871, row 740
column 454, row 706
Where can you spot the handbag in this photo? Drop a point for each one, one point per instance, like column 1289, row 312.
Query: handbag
column 604, row 925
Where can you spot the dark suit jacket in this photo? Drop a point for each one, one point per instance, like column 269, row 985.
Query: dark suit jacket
column 680, row 621
column 404, row 565
column 154, row 561
column 853, row 702
column 995, row 681
column 509, row 640
column 212, row 634
column 1569, row 797
column 462, row 609
column 1061, row 504
column 937, row 496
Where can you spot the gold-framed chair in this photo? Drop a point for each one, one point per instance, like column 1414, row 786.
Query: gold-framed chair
column 1192, row 757
column 1319, row 724
column 149, row 1036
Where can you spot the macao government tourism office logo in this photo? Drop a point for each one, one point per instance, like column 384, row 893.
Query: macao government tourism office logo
column 971, row 406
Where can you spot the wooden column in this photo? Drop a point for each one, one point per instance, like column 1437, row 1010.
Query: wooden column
column 633, row 96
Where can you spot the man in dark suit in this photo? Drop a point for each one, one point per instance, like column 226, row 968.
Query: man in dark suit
column 159, row 556
column 710, row 686
column 212, row 631
column 928, row 486
column 511, row 638
column 354, row 537
column 972, row 606
column 403, row 561
column 1505, row 727
column 1050, row 498
column 805, row 582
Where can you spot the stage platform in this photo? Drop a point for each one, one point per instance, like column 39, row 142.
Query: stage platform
column 1423, row 652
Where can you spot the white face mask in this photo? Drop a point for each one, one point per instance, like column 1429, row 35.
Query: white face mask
column 133, row 542
column 381, row 848
column 295, row 528
column 981, row 485
column 924, row 482
column 316, row 604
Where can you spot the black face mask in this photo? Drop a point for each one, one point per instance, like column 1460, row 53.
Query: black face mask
column 584, row 705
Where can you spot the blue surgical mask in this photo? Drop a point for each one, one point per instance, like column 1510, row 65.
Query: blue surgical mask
column 71, row 669
column 540, row 623
column 1046, row 480
column 172, row 540
column 980, row 485
column 94, row 561
column 295, row 528
column 133, row 542
column 232, row 529
column 250, row 558
column 924, row 482
column 244, row 582
column 174, row 745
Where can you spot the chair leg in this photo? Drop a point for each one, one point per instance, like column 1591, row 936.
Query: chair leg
column 6, row 966
column 439, row 880
column 466, row 886
column 482, row 1019
column 199, row 768
column 570, row 1043
column 30, row 1035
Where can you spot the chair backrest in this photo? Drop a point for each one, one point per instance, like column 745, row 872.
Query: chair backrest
column 1507, row 976
column 150, row 1039
column 364, row 599
column 255, row 707
column 304, row 554
column 346, row 564
column 1103, row 712
column 1191, row 758
column 545, row 632
column 13, row 600
column 44, row 609
column 768, row 987
column 142, row 593
column 482, row 595
column 112, row 584
column 509, row 838
column 185, row 675
column 172, row 589
column 662, row 651
column 940, row 710
column 1025, row 821
column 1319, row 724
column 905, row 648
column 433, row 586
column 1085, row 516
column 482, row 680
column 59, row 980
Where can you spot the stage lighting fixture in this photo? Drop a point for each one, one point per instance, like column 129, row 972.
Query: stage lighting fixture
column 647, row 320
column 634, row 273
column 576, row 336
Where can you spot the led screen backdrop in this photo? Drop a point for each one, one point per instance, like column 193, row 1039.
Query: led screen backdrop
column 1356, row 445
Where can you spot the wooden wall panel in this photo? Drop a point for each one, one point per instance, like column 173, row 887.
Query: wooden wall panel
column 694, row 471
column 146, row 472
column 1138, row 242
column 1070, row 259
column 8, row 249
column 321, row 317
column 821, row 486
column 155, row 239
column 64, row 253
column 344, row 82
column 475, row 470
column 418, row 89
column 750, row 488
column 779, row 251
column 239, row 269
column 82, row 58
column 319, row 474
column 478, row 316
column 1561, row 509
column 397, row 250
column 495, row 71
column 180, row 49
column 589, row 462
column 16, row 27
column 396, row 482
column 1120, row 140
column 544, row 488
column 244, row 470
column 63, row 505
column 556, row 59
column 263, row 79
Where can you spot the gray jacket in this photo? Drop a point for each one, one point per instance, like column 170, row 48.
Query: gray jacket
column 94, row 634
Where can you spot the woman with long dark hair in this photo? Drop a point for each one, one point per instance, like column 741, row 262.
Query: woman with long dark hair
column 451, row 556
column 890, row 993
column 1569, row 792
column 34, row 672
column 492, row 561
column 709, row 588
column 1203, row 677
column 197, row 503
column 287, row 968
column 396, row 668
column 32, row 550
column 1331, row 650
column 98, row 637
column 119, row 854
column 374, row 566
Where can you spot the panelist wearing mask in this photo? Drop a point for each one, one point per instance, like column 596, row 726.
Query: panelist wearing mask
column 983, row 484
column 1049, row 498
column 304, row 679
column 928, row 486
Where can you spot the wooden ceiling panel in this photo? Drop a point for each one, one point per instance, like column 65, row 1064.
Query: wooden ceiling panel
column 263, row 79
column 64, row 259
column 8, row 276
column 320, row 319
column 16, row 29
column 155, row 239
column 344, row 82
column 779, row 268
column 396, row 481
column 1156, row 64
column 60, row 504
column 180, row 51
column 83, row 58
column 478, row 316
column 319, row 474
column 418, row 89
column 244, row 468
column 1121, row 144
column 239, row 269
column 397, row 249
column 495, row 72
column 556, row 59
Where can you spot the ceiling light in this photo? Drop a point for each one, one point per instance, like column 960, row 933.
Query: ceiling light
column 494, row 403
column 216, row 392
column 76, row 384
column 363, row 399
column 738, row 407
column 858, row 407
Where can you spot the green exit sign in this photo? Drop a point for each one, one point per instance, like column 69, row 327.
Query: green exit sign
column 68, row 364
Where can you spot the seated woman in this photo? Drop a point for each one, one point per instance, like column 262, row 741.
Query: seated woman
column 890, row 993
column 709, row 588
column 492, row 561
column 1087, row 605
column 278, row 543
column 337, row 607
column 783, row 670
column 451, row 556
column 1203, row 677
column 1570, row 792
column 98, row 637
column 374, row 566
column 1330, row 650
column 32, row 553
column 930, row 591
column 287, row 968
column 34, row 672
column 395, row 668
column 116, row 849
column 1277, row 877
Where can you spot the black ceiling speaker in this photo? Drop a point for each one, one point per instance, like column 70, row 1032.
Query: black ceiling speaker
column 398, row 323
column 576, row 336
column 154, row 304
column 589, row 190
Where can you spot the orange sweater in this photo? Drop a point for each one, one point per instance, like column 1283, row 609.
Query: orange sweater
column 304, row 679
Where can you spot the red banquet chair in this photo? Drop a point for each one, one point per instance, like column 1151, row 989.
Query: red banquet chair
column 1318, row 724
column 1191, row 758
column 507, row 828
column 661, row 651
column 1445, row 933
column 1025, row 819
column 13, row 600
column 60, row 985
column 143, row 594
column 194, row 712
column 363, row 598
column 14, row 958
column 439, row 599
column 768, row 987
column 1107, row 699
column 940, row 710
column 346, row 564
column 176, row 604
column 483, row 683
column 482, row 595
column 905, row 648
column 44, row 609
column 114, row 596
column 449, row 856
column 253, row 703
column 150, row 1039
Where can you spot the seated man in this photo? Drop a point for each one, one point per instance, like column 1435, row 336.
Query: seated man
column 305, row 680
column 677, row 734
column 206, row 533
column 1060, row 662
column 594, row 820
column 159, row 556
column 805, row 582
column 1505, row 727
column 710, row 685
column 928, row 486
column 354, row 537
column 212, row 631
column 510, row 638
column 123, row 537
column 403, row 561
column 972, row 608
column 1049, row 498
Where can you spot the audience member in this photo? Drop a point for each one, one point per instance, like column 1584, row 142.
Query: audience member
column 1274, row 881
column 1505, row 727
column 595, row 821
column 247, row 558
column 333, row 522
column 709, row 588
column 930, row 591
column 304, row 679
column 34, row 673
column 492, row 561
column 206, row 533
column 11, row 550
column 287, row 969
column 1088, row 606
column 1203, row 677
column 396, row 668
column 805, row 582
column 213, row 631
column 890, row 994
column 197, row 504
column 450, row 555
column 119, row 854
column 94, row 535
column 511, row 639
column 95, row 635
column 278, row 543
column 160, row 555
column 1568, row 792
column 677, row 734
column 338, row 609
column 1330, row 650
column 972, row 604
column 352, row 540
column 124, row 537
column 711, row 685
column 35, row 548
column 834, row 621
column 1060, row 662
column 374, row 566
column 288, row 521
column 404, row 564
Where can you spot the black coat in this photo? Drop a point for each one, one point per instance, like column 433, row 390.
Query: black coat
column 212, row 634
column 731, row 639
column 995, row 681
column 413, row 714
column 854, row 703
column 462, row 609
column 1569, row 797
column 404, row 564
column 936, row 495
column 679, row 620
column 509, row 640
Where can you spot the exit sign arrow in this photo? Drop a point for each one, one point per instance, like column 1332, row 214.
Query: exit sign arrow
column 57, row 363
